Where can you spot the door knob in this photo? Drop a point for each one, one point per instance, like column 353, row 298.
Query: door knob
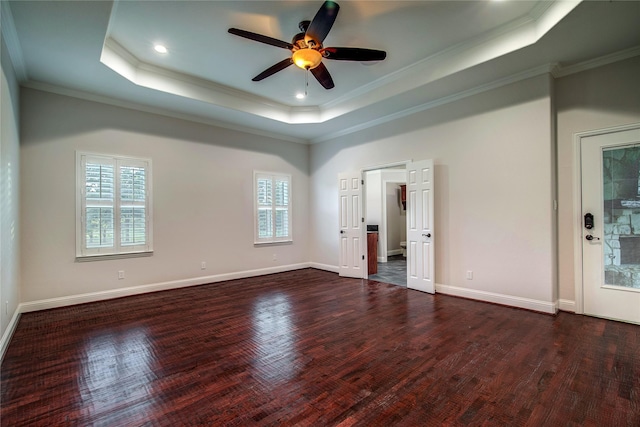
column 589, row 237
column 426, row 235
column 342, row 231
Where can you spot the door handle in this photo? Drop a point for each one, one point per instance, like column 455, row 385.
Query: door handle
column 342, row 231
column 426, row 235
column 589, row 237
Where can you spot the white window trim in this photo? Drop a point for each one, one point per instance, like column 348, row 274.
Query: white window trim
column 117, row 251
column 271, row 240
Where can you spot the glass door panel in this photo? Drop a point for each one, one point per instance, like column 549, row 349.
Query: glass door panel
column 621, row 216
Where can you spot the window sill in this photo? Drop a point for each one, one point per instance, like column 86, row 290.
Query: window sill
column 276, row 243
column 89, row 258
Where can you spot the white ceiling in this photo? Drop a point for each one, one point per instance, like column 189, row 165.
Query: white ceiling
column 436, row 51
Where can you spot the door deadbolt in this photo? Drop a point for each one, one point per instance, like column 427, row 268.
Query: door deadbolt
column 588, row 221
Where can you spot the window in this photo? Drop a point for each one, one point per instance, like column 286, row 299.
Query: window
column 272, row 196
column 113, row 212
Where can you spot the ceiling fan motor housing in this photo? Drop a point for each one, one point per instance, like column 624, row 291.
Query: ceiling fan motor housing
column 305, row 55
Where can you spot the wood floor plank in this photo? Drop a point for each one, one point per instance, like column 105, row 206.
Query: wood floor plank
column 308, row 348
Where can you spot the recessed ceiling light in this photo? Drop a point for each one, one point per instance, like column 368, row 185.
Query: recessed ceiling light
column 160, row 48
column 300, row 95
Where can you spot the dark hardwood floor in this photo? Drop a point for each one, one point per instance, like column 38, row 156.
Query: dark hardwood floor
column 310, row 348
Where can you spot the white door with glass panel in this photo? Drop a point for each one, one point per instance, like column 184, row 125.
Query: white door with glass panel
column 420, row 225
column 350, row 225
column 610, row 168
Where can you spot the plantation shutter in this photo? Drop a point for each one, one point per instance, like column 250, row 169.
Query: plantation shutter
column 133, row 196
column 281, row 204
column 264, row 190
column 99, row 204
column 114, row 205
column 273, row 207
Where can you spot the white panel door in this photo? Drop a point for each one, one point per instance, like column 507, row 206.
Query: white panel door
column 611, row 240
column 420, row 238
column 351, row 225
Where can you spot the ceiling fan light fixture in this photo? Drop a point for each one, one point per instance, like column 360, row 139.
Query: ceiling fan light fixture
column 306, row 58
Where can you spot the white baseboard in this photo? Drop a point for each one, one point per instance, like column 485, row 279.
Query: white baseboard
column 8, row 333
column 326, row 267
column 567, row 305
column 136, row 290
column 393, row 252
column 510, row 300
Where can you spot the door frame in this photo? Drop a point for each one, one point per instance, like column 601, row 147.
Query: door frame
column 363, row 201
column 384, row 221
column 577, row 207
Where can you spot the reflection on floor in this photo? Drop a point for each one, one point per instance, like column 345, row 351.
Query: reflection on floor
column 393, row 271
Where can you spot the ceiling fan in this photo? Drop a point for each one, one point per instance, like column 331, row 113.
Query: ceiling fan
column 307, row 50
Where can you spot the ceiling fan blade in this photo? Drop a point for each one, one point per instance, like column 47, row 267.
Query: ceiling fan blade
column 322, row 75
column 322, row 22
column 354, row 54
column 261, row 38
column 273, row 69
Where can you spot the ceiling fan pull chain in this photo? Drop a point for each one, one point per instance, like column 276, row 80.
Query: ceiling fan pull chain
column 306, row 82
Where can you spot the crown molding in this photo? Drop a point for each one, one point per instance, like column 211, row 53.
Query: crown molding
column 514, row 78
column 561, row 71
column 418, row 72
column 12, row 41
column 539, row 9
column 427, row 73
column 552, row 14
column 515, row 35
column 555, row 70
column 120, row 60
column 87, row 96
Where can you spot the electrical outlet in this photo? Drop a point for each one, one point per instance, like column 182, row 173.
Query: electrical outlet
column 275, row 257
column 469, row 275
column 120, row 274
column 203, row 265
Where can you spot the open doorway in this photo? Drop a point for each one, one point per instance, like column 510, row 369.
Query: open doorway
column 420, row 223
column 386, row 219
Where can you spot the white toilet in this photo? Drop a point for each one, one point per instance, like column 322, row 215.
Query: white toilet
column 403, row 245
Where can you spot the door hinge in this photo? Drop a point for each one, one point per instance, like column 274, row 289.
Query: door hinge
column 363, row 257
column 362, row 220
column 362, row 181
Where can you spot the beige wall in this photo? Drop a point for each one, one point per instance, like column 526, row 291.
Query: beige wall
column 202, row 196
column 494, row 159
column 595, row 99
column 493, row 156
column 9, row 198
